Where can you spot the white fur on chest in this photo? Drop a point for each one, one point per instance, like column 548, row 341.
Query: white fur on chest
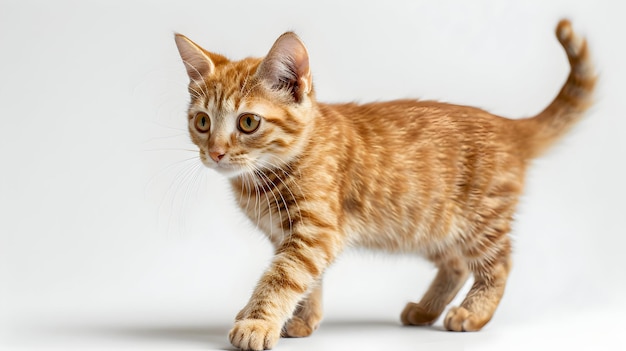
column 262, row 209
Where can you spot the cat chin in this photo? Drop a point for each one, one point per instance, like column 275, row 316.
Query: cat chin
column 228, row 172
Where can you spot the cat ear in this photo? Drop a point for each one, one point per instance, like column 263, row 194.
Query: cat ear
column 286, row 67
column 197, row 61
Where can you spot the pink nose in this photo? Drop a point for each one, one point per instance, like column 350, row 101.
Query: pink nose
column 216, row 155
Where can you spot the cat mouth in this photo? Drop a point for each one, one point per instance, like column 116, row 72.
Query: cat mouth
column 221, row 165
column 225, row 167
column 228, row 165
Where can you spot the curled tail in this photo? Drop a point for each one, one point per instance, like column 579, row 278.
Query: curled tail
column 572, row 101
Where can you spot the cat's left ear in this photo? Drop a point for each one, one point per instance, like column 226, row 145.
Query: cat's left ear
column 286, row 67
column 198, row 62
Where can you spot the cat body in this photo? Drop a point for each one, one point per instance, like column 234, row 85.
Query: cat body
column 413, row 194
column 407, row 176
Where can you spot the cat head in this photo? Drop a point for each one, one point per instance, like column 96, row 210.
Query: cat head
column 252, row 114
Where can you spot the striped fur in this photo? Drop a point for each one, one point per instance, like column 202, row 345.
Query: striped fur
column 409, row 176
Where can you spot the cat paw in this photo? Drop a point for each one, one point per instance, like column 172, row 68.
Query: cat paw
column 414, row 314
column 254, row 334
column 297, row 327
column 460, row 319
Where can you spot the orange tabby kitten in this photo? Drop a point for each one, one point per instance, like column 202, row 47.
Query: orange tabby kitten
column 410, row 176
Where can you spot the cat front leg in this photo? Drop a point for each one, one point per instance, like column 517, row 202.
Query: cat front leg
column 297, row 266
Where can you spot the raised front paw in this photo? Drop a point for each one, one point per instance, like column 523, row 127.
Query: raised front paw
column 460, row 319
column 254, row 334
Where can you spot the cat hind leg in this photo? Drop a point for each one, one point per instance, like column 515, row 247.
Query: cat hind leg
column 447, row 283
column 478, row 307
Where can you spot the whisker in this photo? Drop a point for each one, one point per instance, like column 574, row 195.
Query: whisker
column 175, row 164
column 280, row 216
column 183, row 131
column 269, row 206
column 250, row 185
column 195, row 93
column 196, row 81
column 245, row 82
column 257, row 203
column 295, row 200
column 172, row 149
column 298, row 176
column 243, row 187
column 283, row 163
column 191, row 180
column 281, row 196
column 165, row 137
column 180, row 178
column 249, row 91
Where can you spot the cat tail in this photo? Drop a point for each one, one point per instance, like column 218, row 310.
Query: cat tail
column 569, row 106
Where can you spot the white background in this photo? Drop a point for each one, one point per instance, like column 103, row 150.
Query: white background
column 112, row 237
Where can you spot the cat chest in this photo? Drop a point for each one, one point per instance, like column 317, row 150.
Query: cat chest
column 270, row 212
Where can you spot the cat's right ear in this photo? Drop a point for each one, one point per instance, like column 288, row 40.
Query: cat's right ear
column 197, row 61
column 286, row 67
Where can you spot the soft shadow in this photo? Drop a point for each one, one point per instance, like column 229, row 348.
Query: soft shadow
column 374, row 334
column 434, row 327
column 373, row 323
column 214, row 337
column 352, row 323
column 349, row 324
column 195, row 334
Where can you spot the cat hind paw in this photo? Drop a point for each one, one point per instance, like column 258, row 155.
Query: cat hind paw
column 459, row 319
column 415, row 314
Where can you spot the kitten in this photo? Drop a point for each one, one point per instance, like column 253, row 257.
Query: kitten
column 410, row 176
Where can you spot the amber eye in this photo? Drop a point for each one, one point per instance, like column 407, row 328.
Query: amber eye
column 249, row 122
column 202, row 122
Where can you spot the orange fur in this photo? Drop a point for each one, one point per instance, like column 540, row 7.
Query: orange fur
column 422, row 177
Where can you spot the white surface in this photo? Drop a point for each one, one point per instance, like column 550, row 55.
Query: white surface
column 111, row 240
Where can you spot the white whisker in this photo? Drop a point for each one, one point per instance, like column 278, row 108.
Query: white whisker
column 195, row 93
column 269, row 206
column 257, row 199
column 245, row 82
column 181, row 179
column 243, row 187
column 295, row 200
column 249, row 186
column 160, row 172
column 173, row 149
column 199, row 83
column 271, row 189
column 250, row 90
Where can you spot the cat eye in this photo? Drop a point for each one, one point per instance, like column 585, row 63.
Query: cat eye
column 249, row 122
column 202, row 122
